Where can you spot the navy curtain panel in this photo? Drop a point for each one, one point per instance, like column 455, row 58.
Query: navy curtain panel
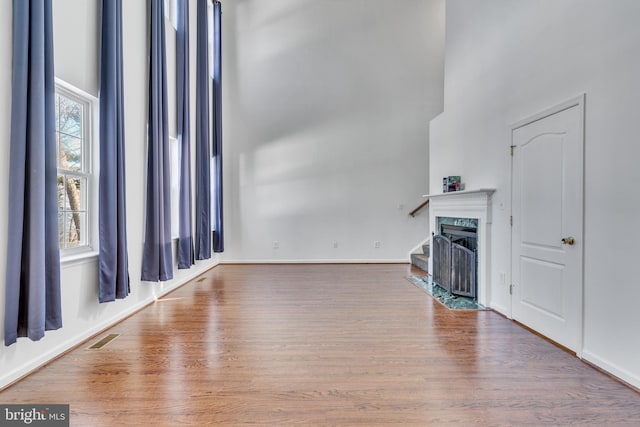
column 203, row 151
column 157, row 264
column 185, row 236
column 218, row 234
column 33, row 303
column 114, row 264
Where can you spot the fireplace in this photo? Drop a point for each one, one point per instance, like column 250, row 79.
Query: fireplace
column 455, row 266
column 473, row 207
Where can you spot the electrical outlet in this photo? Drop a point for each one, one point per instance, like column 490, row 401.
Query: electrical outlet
column 376, row 244
column 276, row 244
column 335, row 244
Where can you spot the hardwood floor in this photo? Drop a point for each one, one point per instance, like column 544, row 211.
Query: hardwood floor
column 322, row 345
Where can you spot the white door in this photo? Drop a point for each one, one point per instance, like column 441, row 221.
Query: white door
column 547, row 209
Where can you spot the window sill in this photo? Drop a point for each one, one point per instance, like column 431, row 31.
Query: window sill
column 78, row 258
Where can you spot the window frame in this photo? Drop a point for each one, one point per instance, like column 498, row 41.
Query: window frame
column 90, row 172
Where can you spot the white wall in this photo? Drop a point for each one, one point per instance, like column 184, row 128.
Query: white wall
column 76, row 55
column 509, row 59
column 326, row 115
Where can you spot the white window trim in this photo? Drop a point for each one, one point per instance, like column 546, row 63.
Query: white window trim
column 91, row 122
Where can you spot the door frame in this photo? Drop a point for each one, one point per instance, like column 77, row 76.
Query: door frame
column 579, row 102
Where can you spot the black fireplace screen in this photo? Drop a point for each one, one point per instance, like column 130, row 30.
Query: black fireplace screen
column 442, row 262
column 463, row 271
column 454, row 260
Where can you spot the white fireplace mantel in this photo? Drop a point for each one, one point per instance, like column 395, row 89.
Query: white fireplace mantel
column 486, row 191
column 468, row 204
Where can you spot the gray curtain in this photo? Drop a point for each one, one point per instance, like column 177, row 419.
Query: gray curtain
column 114, row 264
column 203, row 151
column 218, row 235
column 185, row 241
column 157, row 264
column 32, row 301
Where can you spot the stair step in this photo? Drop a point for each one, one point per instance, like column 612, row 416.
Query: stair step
column 426, row 249
column 421, row 261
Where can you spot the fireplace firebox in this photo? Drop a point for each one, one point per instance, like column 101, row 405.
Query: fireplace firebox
column 455, row 258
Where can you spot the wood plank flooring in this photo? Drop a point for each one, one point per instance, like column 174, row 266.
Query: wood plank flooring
column 338, row 345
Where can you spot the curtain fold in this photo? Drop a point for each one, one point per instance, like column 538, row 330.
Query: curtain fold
column 218, row 234
column 33, row 302
column 157, row 264
column 113, row 259
column 203, row 151
column 185, row 237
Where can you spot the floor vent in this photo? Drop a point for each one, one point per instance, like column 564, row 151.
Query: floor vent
column 104, row 341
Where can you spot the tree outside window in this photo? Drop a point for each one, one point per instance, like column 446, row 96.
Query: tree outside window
column 73, row 170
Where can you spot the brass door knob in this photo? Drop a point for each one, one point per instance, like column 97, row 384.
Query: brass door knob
column 568, row 241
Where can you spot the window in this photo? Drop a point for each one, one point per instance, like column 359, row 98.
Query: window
column 175, row 154
column 75, row 181
column 171, row 12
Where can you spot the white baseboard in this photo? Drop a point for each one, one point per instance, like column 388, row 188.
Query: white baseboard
column 611, row 368
column 315, row 261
